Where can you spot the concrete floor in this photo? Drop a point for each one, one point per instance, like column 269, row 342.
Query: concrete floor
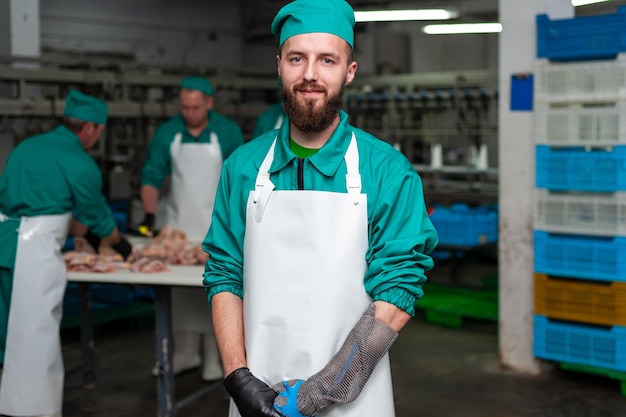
column 437, row 372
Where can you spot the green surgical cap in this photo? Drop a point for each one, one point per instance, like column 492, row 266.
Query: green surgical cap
column 198, row 83
column 87, row 108
column 309, row 16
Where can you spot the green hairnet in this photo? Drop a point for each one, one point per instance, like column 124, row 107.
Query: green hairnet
column 309, row 16
column 87, row 108
column 198, row 83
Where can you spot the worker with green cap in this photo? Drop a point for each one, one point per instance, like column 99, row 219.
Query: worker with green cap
column 189, row 148
column 319, row 244
column 46, row 178
column 270, row 119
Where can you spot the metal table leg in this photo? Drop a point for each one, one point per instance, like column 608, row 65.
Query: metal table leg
column 86, row 336
column 165, row 379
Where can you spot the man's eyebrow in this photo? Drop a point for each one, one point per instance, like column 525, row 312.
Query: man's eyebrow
column 320, row 54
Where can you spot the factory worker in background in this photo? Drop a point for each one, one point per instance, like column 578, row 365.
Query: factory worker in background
column 46, row 178
column 272, row 118
column 319, row 244
column 190, row 148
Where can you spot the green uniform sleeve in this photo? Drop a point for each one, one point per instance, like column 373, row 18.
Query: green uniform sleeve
column 267, row 120
column 401, row 238
column 91, row 207
column 263, row 124
column 224, row 243
column 234, row 139
column 158, row 164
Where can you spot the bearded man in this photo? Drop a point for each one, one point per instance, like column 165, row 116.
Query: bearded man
column 319, row 242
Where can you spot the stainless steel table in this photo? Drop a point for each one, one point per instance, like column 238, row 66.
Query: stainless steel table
column 178, row 276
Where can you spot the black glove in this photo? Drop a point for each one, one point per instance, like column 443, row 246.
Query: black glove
column 93, row 240
column 123, row 247
column 254, row 398
column 146, row 227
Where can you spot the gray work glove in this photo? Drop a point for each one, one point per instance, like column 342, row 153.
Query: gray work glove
column 343, row 378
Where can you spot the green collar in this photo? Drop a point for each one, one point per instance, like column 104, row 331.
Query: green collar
column 327, row 160
column 63, row 131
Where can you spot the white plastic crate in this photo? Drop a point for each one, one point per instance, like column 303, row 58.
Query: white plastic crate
column 581, row 213
column 590, row 81
column 580, row 126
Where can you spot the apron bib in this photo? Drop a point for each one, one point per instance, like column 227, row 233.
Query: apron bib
column 304, row 265
column 196, row 169
column 33, row 373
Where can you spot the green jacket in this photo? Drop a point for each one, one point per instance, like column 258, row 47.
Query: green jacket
column 401, row 235
column 158, row 164
column 51, row 173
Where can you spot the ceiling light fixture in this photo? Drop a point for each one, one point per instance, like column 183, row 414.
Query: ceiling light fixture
column 403, row 15
column 462, row 28
column 576, row 3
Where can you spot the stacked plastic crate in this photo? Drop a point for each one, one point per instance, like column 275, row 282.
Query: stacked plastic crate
column 580, row 205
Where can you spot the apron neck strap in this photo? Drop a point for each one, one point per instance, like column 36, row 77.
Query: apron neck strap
column 264, row 186
column 263, row 177
column 353, row 178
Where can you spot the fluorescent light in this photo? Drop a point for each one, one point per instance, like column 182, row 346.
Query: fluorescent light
column 585, row 2
column 462, row 28
column 403, row 15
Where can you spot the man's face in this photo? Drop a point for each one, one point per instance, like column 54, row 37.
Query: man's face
column 314, row 69
column 91, row 134
column 194, row 106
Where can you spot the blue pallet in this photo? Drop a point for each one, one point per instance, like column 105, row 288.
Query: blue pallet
column 604, row 347
column 575, row 169
column 583, row 257
column 461, row 225
column 581, row 38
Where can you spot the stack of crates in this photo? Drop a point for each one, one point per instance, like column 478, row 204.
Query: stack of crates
column 580, row 204
column 462, row 225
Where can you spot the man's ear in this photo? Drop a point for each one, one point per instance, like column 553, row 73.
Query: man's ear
column 351, row 72
column 88, row 128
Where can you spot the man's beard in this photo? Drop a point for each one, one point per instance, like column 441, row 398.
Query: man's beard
column 305, row 116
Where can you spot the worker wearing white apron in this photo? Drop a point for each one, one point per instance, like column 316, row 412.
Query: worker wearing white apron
column 319, row 242
column 46, row 177
column 190, row 148
column 195, row 171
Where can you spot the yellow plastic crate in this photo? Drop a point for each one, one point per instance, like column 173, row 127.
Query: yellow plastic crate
column 592, row 302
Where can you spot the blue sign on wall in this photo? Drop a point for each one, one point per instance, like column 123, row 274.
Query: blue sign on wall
column 521, row 92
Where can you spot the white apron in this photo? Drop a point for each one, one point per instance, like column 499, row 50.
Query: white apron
column 33, row 373
column 196, row 169
column 304, row 266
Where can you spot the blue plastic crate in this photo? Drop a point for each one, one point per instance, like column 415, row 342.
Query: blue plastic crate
column 583, row 257
column 462, row 225
column 121, row 220
column 604, row 347
column 581, row 38
column 576, row 169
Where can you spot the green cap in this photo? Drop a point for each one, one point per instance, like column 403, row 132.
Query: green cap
column 309, row 16
column 198, row 83
column 87, row 108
